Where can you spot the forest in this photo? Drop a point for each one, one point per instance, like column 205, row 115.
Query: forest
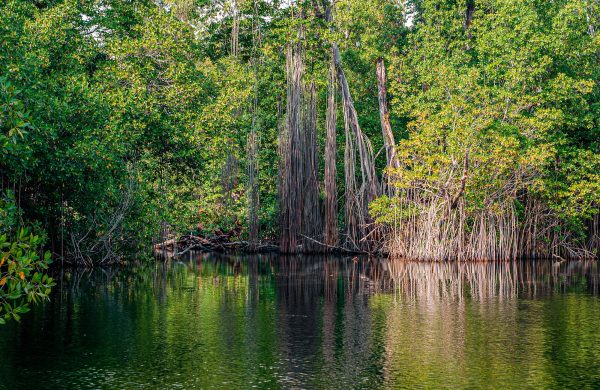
column 419, row 129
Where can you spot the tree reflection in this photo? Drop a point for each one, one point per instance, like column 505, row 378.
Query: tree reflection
column 484, row 280
column 311, row 322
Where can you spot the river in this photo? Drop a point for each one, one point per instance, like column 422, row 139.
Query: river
column 311, row 322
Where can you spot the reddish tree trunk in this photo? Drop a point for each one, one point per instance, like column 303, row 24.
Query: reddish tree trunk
column 386, row 128
column 331, row 209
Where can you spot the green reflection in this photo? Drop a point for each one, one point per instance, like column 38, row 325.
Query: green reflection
column 312, row 322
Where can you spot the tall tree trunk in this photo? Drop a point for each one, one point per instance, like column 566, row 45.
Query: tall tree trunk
column 291, row 180
column 300, row 208
column 588, row 18
column 235, row 30
column 253, row 195
column 229, row 176
column 365, row 148
column 388, row 136
column 311, row 217
column 357, row 197
column 470, row 10
column 253, row 188
column 331, row 210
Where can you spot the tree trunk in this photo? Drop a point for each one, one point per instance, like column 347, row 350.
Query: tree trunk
column 386, row 128
column 253, row 195
column 365, row 148
column 357, row 197
column 253, row 186
column 291, row 169
column 235, row 30
column 311, row 208
column 331, row 210
column 470, row 5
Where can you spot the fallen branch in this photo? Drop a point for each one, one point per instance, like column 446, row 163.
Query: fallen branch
column 336, row 248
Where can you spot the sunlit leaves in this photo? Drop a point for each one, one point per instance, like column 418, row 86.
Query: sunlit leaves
column 518, row 92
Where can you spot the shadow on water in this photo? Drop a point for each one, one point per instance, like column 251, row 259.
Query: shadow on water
column 312, row 322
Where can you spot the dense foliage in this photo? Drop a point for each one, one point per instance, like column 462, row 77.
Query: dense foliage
column 23, row 264
column 504, row 127
column 23, row 278
column 134, row 117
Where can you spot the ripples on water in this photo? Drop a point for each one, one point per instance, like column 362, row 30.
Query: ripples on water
column 312, row 322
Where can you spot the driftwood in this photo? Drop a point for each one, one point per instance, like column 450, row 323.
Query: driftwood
column 334, row 248
column 221, row 242
column 218, row 242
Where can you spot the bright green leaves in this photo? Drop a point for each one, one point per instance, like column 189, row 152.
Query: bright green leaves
column 14, row 126
column 23, row 278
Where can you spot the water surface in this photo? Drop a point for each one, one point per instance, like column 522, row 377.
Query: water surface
column 312, row 322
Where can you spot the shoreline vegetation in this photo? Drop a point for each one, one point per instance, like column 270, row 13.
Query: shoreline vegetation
column 426, row 130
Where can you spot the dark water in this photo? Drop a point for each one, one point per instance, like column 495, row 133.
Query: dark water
column 307, row 322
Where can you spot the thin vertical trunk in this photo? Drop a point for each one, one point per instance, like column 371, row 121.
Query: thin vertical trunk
column 229, row 177
column 253, row 193
column 588, row 18
column 386, row 128
column 235, row 30
column 352, row 207
column 331, row 210
column 470, row 10
column 311, row 209
column 283, row 150
column 229, row 169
